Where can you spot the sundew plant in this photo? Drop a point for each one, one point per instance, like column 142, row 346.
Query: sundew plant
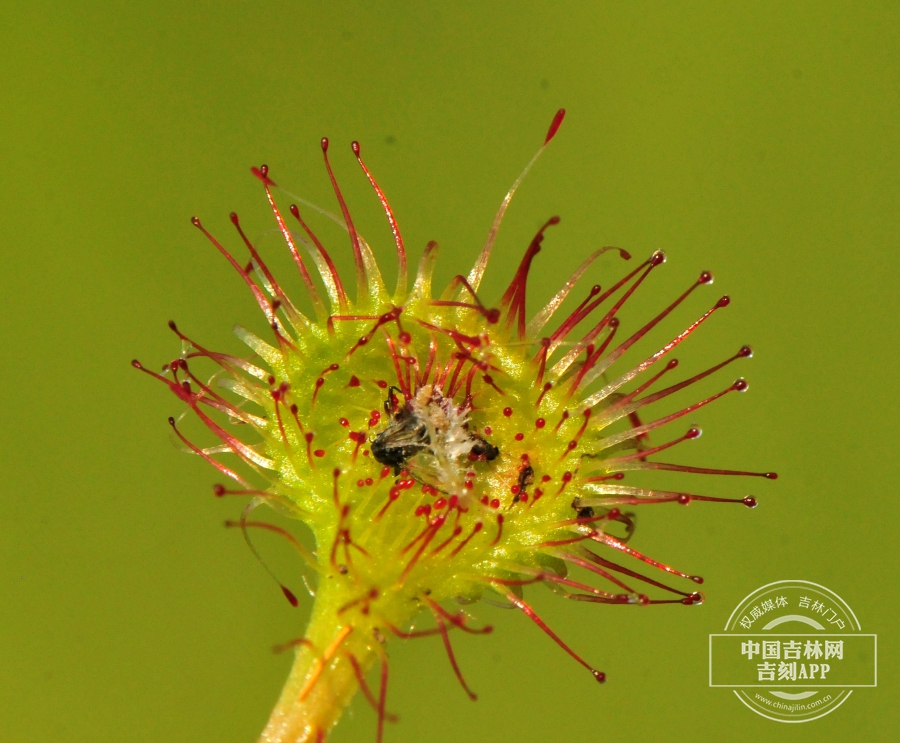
column 441, row 449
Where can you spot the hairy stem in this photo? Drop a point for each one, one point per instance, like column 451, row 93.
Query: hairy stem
column 322, row 681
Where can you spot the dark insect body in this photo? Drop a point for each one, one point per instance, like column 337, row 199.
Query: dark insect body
column 526, row 477
column 427, row 422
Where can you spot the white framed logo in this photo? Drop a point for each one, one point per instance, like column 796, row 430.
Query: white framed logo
column 793, row 651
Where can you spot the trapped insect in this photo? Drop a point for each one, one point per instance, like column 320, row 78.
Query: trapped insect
column 429, row 437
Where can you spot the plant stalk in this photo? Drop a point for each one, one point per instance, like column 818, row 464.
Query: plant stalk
column 322, row 681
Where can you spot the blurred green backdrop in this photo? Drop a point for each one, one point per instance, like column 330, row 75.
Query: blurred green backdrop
column 757, row 140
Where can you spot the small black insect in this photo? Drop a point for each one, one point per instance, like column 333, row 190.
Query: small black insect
column 428, row 422
column 406, row 436
column 526, row 477
column 628, row 519
column 484, row 449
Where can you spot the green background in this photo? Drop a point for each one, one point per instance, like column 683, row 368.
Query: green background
column 757, row 140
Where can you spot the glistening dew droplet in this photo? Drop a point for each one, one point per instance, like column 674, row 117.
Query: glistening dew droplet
column 438, row 448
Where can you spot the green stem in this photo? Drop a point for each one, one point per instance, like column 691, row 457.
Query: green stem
column 322, row 681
